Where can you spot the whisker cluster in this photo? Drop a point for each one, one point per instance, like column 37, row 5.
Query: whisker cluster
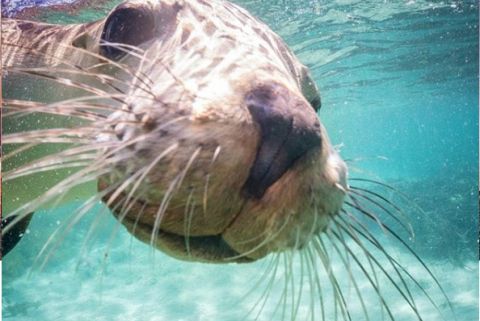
column 352, row 255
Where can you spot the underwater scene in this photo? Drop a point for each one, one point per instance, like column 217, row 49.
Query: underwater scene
column 398, row 82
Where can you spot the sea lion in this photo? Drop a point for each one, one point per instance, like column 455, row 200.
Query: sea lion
column 198, row 126
column 248, row 168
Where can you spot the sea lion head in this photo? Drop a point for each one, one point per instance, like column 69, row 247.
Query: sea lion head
column 220, row 155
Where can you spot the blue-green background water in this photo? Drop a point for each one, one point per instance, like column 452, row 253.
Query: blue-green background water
column 399, row 87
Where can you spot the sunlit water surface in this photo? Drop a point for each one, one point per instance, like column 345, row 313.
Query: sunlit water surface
column 399, row 89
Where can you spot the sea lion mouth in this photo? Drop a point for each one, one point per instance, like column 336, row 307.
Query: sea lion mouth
column 211, row 248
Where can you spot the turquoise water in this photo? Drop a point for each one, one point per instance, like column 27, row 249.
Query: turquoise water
column 399, row 87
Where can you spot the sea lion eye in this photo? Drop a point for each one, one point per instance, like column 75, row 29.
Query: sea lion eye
column 310, row 90
column 126, row 25
column 316, row 102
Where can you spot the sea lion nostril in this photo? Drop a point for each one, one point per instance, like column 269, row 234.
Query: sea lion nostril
column 288, row 130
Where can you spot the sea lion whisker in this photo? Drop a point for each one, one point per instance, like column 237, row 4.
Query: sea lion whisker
column 146, row 170
column 18, row 150
column 62, row 164
column 126, row 206
column 254, row 238
column 363, row 174
column 91, row 112
column 291, row 278
column 78, row 111
column 282, row 301
column 81, row 151
column 361, row 192
column 75, row 179
column 70, row 103
column 137, row 219
column 143, row 58
column 103, row 79
column 50, row 162
column 316, row 214
column 366, row 234
column 266, row 294
column 295, row 303
column 41, row 163
column 283, row 297
column 307, row 252
column 216, row 153
column 404, row 196
column 353, row 231
column 140, row 76
column 320, row 249
column 96, row 222
column 288, row 292
column 371, row 237
column 126, row 201
column 295, row 293
column 368, row 214
column 116, row 227
column 362, row 198
column 162, row 208
column 123, row 185
column 124, row 144
column 61, row 60
column 84, row 209
column 339, row 297
column 188, row 165
column 65, row 227
column 36, row 138
column 261, row 235
column 263, row 298
column 365, row 158
column 188, row 215
column 78, row 178
column 173, row 187
column 388, row 231
column 267, row 240
column 139, row 72
column 124, row 47
column 304, row 254
column 347, row 266
column 67, row 82
column 410, row 301
column 52, row 135
column 313, row 266
column 372, row 282
column 300, row 287
column 372, row 268
column 133, row 73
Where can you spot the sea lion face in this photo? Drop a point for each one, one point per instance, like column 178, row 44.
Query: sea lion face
column 221, row 156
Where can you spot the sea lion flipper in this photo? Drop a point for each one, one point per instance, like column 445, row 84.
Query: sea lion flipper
column 15, row 233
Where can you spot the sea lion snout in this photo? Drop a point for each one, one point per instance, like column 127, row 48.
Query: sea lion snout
column 288, row 127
